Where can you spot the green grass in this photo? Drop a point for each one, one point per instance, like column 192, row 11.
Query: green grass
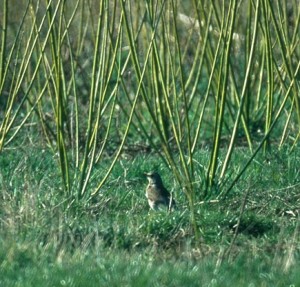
column 138, row 269
column 114, row 239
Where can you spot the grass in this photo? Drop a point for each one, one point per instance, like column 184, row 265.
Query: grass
column 114, row 238
column 72, row 215
column 141, row 270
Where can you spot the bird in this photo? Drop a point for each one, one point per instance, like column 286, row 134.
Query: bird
column 156, row 193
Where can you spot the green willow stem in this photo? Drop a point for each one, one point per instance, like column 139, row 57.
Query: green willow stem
column 221, row 98
column 243, row 95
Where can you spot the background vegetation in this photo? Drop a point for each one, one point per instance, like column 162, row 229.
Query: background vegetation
column 93, row 93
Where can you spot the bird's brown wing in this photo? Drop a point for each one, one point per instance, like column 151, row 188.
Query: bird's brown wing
column 165, row 192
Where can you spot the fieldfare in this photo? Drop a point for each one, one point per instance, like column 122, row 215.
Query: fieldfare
column 156, row 193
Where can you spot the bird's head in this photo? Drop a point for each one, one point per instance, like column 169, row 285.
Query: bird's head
column 153, row 177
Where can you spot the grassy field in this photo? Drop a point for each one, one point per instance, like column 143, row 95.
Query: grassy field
column 95, row 93
column 249, row 239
